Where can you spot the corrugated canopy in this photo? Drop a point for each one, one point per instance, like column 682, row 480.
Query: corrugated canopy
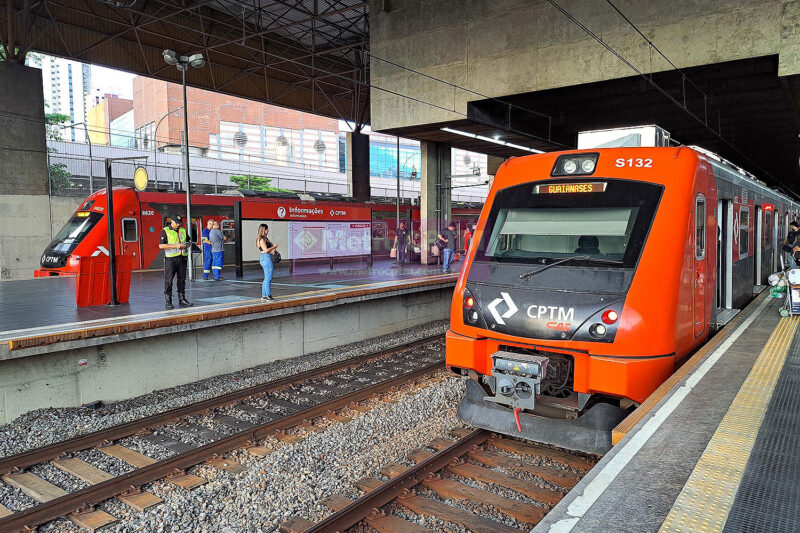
column 308, row 54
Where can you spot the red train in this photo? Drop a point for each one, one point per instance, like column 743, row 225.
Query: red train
column 593, row 274
column 140, row 216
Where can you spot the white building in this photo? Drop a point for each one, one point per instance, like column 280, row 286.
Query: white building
column 67, row 87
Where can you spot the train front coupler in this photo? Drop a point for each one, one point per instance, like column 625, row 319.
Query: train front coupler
column 516, row 381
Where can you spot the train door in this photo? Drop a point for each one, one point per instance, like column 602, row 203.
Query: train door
column 758, row 238
column 700, row 265
column 724, row 294
column 129, row 243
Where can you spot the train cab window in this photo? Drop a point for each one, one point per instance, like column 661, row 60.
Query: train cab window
column 229, row 231
column 75, row 230
column 744, row 232
column 700, row 228
column 606, row 227
column 130, row 230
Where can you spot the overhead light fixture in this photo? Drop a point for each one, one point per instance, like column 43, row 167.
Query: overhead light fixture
column 493, row 141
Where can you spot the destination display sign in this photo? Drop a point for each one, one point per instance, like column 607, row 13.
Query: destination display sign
column 570, row 188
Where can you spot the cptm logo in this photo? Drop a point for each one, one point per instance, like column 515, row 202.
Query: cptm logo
column 512, row 308
column 281, row 212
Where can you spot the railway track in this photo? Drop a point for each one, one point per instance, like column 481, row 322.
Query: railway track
column 264, row 410
column 453, row 477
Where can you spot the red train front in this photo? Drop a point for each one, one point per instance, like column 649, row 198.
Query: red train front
column 592, row 275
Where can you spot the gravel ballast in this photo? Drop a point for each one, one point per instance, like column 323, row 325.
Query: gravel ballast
column 46, row 426
column 295, row 478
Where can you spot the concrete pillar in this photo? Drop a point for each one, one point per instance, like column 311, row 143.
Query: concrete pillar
column 358, row 166
column 435, row 207
column 24, row 198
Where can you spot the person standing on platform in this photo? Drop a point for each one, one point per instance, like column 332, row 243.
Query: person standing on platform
column 267, row 249
column 467, row 238
column 176, row 250
column 402, row 240
column 207, row 249
column 448, row 236
column 217, row 250
column 789, row 244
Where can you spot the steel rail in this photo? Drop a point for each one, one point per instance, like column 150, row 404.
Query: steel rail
column 97, row 438
column 362, row 507
column 100, row 492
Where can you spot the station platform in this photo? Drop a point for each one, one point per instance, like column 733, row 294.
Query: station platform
column 53, row 354
column 714, row 449
column 51, row 301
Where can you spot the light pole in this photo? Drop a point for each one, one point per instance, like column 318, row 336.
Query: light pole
column 155, row 145
column 89, row 140
column 183, row 63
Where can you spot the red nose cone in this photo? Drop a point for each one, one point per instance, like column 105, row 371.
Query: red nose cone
column 610, row 316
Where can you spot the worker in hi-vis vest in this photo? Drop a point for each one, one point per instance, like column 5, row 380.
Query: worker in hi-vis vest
column 176, row 248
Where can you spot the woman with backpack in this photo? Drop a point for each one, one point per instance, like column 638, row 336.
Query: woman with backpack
column 268, row 251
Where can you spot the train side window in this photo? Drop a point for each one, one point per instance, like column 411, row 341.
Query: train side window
column 228, row 230
column 700, row 228
column 130, row 230
column 744, row 232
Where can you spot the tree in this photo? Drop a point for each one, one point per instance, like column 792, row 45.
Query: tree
column 255, row 183
column 60, row 178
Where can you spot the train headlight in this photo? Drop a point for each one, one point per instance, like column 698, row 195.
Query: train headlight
column 472, row 317
column 610, row 316
column 598, row 331
column 469, row 302
column 575, row 164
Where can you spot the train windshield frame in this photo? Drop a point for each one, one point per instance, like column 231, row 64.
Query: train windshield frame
column 605, row 223
column 74, row 231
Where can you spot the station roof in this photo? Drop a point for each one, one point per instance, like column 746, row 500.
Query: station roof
column 749, row 115
column 306, row 55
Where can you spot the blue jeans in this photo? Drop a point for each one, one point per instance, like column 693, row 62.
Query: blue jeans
column 266, row 264
column 206, row 263
column 447, row 258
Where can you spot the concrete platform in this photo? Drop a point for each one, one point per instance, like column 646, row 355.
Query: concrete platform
column 42, row 302
column 716, row 449
column 129, row 351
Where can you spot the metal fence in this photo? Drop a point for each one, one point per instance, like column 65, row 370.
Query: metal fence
column 74, row 172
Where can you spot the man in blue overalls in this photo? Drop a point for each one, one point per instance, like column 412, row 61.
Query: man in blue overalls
column 207, row 257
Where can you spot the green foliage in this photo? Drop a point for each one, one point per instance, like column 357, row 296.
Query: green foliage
column 53, row 121
column 60, row 178
column 255, row 183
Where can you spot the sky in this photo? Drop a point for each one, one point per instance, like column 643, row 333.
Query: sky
column 113, row 81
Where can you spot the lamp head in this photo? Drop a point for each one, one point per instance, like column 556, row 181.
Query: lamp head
column 197, row 60
column 170, row 57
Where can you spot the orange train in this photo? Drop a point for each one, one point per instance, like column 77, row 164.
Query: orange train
column 593, row 274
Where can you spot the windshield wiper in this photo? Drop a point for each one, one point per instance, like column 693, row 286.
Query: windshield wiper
column 526, row 276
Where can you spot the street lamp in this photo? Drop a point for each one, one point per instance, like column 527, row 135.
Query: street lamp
column 155, row 144
column 183, row 63
column 89, row 140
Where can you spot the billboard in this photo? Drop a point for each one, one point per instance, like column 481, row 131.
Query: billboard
column 310, row 239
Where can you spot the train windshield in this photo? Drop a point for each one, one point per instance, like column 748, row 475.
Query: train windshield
column 75, row 230
column 604, row 222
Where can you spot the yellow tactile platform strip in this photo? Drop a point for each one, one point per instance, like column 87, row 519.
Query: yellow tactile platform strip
column 706, row 499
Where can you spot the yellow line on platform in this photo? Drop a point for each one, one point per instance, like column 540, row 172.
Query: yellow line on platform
column 705, row 501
